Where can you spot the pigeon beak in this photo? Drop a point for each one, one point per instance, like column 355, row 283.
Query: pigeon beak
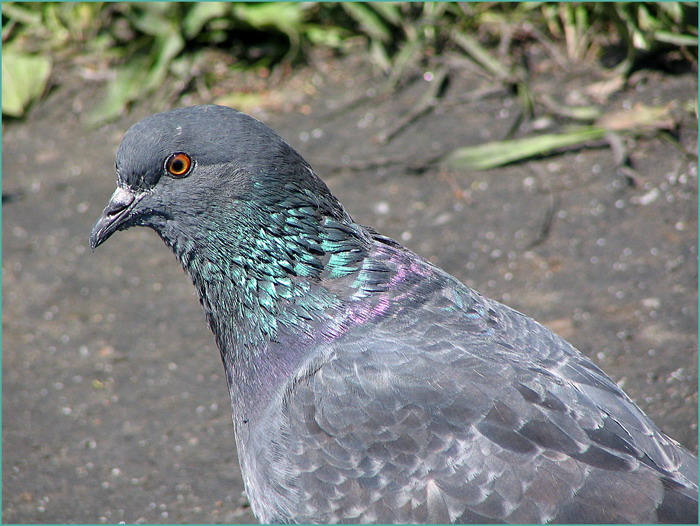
column 114, row 215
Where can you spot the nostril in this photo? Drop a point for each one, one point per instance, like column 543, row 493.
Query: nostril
column 121, row 198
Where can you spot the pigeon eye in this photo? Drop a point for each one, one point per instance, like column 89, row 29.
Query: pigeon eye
column 178, row 164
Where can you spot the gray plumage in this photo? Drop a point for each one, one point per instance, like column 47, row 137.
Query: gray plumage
column 368, row 385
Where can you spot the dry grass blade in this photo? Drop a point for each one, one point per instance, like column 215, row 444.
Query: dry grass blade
column 426, row 103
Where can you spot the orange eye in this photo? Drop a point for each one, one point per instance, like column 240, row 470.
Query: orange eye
column 178, row 164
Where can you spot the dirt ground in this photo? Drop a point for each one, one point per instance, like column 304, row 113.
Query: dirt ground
column 115, row 406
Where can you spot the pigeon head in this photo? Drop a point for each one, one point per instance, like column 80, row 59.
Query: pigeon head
column 192, row 172
column 249, row 220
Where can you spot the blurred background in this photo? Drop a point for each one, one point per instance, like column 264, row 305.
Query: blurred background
column 177, row 48
column 544, row 153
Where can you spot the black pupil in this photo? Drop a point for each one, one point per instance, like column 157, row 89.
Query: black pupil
column 178, row 166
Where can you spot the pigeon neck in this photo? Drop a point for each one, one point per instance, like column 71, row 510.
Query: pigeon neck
column 260, row 281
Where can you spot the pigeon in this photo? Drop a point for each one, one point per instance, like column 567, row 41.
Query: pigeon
column 368, row 385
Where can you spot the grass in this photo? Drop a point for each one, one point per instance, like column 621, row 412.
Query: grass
column 142, row 47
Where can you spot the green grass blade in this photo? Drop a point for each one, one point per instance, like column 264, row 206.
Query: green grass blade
column 481, row 56
column 369, row 20
column 200, row 14
column 676, row 39
column 124, row 88
column 389, row 10
column 493, row 154
column 24, row 78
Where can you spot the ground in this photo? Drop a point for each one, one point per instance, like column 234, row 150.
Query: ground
column 115, row 406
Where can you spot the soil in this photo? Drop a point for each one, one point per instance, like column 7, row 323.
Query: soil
column 115, row 406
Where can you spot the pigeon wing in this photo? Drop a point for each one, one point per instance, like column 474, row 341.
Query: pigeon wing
column 485, row 417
